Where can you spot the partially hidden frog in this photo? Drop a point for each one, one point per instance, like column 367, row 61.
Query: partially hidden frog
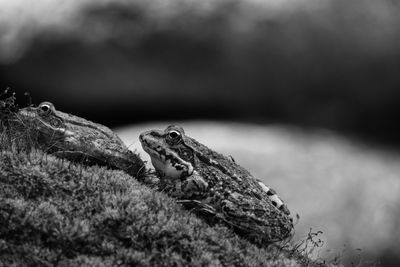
column 215, row 187
column 76, row 139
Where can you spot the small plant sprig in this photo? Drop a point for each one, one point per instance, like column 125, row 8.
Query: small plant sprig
column 306, row 250
column 14, row 133
column 309, row 245
column 7, row 105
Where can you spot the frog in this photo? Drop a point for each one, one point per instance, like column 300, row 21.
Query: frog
column 75, row 138
column 215, row 187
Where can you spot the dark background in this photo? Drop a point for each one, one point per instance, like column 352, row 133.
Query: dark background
column 331, row 64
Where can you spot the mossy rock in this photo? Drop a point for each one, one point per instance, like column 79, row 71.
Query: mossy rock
column 56, row 212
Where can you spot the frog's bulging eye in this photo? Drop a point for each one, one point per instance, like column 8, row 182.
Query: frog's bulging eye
column 173, row 134
column 174, row 137
column 46, row 108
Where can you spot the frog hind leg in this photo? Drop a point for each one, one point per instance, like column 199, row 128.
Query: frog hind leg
column 275, row 199
column 256, row 220
column 198, row 206
column 79, row 156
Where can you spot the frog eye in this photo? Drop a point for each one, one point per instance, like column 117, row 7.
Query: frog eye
column 174, row 137
column 46, row 108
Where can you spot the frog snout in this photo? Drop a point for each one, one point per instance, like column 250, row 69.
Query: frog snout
column 144, row 136
column 149, row 136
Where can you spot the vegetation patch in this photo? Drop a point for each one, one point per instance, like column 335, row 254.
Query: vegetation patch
column 53, row 211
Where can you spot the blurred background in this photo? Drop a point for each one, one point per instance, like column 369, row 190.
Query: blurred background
column 308, row 87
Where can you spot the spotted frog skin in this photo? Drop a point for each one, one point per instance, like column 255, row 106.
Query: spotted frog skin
column 215, row 187
column 77, row 139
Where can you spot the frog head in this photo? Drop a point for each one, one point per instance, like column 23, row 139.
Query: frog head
column 44, row 118
column 171, row 156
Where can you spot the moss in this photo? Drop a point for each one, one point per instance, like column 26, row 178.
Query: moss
column 53, row 211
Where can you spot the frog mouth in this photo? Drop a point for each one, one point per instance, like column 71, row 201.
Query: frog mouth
column 152, row 149
column 153, row 153
column 165, row 162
